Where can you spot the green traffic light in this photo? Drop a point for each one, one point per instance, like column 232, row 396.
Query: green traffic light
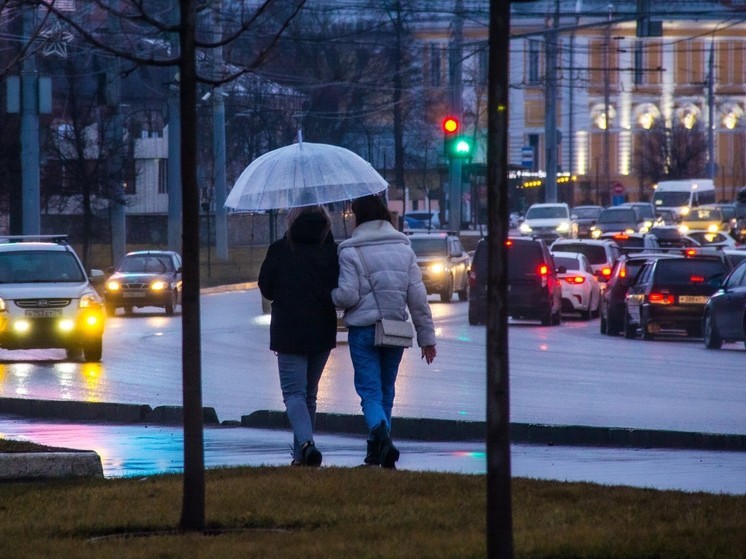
column 462, row 147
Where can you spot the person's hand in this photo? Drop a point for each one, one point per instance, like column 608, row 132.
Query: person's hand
column 428, row 353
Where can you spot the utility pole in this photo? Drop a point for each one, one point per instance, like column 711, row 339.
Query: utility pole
column 218, row 139
column 550, row 109
column 607, row 110
column 30, row 176
column 174, row 152
column 115, row 162
column 711, row 113
column 454, row 165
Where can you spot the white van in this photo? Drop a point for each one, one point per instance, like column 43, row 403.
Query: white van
column 683, row 195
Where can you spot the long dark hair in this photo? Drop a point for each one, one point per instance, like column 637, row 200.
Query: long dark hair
column 370, row 208
column 295, row 213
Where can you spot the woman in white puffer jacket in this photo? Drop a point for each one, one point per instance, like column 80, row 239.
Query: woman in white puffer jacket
column 392, row 267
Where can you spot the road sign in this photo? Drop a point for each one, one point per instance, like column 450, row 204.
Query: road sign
column 527, row 156
column 617, row 189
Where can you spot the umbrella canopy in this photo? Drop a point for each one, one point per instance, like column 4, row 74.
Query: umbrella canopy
column 304, row 174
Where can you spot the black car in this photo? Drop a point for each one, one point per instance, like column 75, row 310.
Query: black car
column 149, row 278
column 444, row 264
column 725, row 312
column 616, row 219
column 611, row 309
column 670, row 294
column 534, row 291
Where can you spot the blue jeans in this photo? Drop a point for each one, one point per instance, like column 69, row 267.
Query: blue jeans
column 299, row 380
column 375, row 374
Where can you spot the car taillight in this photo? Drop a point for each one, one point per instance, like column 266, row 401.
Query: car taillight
column 660, row 299
column 542, row 270
column 606, row 273
column 472, row 279
column 577, row 280
column 697, row 279
column 690, row 252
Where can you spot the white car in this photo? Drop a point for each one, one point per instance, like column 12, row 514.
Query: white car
column 601, row 253
column 581, row 291
column 549, row 222
column 47, row 299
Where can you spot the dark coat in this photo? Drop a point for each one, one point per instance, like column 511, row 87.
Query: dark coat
column 298, row 278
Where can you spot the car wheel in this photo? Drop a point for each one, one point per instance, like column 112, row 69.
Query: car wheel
column 603, row 325
column 111, row 310
column 128, row 310
column 710, row 333
column 73, row 353
column 171, row 305
column 93, row 350
column 447, row 294
column 586, row 314
column 463, row 294
column 630, row 331
column 647, row 334
column 557, row 318
column 547, row 316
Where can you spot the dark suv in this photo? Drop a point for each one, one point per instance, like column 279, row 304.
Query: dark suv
column 444, row 264
column 534, row 292
column 671, row 293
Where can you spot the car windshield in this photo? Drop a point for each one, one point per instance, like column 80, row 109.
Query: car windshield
column 432, row 246
column 567, row 262
column 644, row 210
column 524, row 259
column 586, row 213
column 687, row 272
column 146, row 264
column 40, row 266
column 546, row 212
column 705, row 215
column 595, row 254
column 618, row 215
column 669, row 199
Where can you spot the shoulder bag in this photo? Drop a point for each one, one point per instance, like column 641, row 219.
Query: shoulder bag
column 389, row 332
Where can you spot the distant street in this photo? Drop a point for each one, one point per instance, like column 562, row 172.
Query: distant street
column 568, row 375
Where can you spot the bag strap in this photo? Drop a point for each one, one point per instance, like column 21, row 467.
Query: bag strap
column 366, row 274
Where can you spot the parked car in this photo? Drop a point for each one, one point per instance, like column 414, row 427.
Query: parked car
column 611, row 309
column 585, row 217
column 46, row 298
column 600, row 253
column 148, row 278
column 670, row 294
column 616, row 219
column 534, row 289
column 725, row 312
column 579, row 285
column 444, row 264
column 548, row 222
column 422, row 220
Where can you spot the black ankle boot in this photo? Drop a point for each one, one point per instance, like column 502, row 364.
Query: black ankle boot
column 373, row 456
column 389, row 454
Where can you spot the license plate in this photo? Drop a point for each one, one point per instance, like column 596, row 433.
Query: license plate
column 43, row 313
column 133, row 294
column 693, row 299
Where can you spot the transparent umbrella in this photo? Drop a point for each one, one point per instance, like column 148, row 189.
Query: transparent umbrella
column 304, row 174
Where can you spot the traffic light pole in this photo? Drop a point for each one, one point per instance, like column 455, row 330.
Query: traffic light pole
column 454, row 200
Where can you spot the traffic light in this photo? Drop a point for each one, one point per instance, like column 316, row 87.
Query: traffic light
column 454, row 144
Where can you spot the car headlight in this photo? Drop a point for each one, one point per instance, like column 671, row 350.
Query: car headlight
column 2, row 305
column 563, row 227
column 713, row 228
column 158, row 285
column 524, row 228
column 684, row 210
column 595, row 233
column 113, row 285
column 437, row 268
column 89, row 300
column 683, row 229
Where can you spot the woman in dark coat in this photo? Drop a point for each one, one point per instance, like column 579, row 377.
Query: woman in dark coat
column 298, row 275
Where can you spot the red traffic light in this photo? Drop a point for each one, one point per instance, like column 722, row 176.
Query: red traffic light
column 450, row 125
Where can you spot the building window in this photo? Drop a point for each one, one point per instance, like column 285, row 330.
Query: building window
column 435, row 65
column 162, row 176
column 534, row 59
column 639, row 76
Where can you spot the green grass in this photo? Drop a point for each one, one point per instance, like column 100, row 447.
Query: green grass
column 359, row 513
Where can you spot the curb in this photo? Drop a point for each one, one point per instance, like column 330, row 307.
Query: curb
column 45, row 465
column 444, row 430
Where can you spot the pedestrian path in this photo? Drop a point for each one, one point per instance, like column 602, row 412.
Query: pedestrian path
column 143, row 450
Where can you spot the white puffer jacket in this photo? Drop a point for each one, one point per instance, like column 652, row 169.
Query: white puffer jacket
column 393, row 270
